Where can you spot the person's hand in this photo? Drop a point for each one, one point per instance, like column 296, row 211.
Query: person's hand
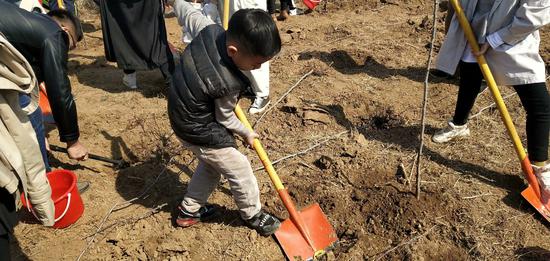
column 76, row 150
column 45, row 212
column 482, row 49
column 250, row 138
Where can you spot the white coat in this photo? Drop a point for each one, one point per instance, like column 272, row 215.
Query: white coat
column 517, row 22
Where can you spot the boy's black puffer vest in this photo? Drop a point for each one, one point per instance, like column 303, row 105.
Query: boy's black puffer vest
column 204, row 74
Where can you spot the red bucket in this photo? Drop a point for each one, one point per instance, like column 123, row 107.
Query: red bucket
column 65, row 196
column 311, row 4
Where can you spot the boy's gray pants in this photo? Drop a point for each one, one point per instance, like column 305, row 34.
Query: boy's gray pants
column 235, row 167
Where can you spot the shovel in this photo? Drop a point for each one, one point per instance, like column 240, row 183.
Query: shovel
column 532, row 192
column 307, row 234
column 119, row 164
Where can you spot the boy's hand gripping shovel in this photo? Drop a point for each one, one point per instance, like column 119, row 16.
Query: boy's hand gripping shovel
column 307, row 234
column 532, row 192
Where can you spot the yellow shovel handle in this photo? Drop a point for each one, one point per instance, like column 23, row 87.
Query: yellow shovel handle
column 459, row 12
column 225, row 14
column 240, row 114
column 261, row 152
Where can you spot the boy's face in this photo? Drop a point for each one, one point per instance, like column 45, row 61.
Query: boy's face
column 244, row 61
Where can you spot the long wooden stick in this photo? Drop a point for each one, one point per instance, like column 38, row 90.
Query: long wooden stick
column 425, row 102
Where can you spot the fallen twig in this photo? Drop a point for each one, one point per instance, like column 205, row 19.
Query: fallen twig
column 121, row 205
column 425, row 100
column 319, row 143
column 151, row 211
column 412, row 240
column 478, row 196
column 282, row 97
column 490, row 106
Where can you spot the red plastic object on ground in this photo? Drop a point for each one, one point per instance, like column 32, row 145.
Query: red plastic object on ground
column 65, row 196
column 311, row 4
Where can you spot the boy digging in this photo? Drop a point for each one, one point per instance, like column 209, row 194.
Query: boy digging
column 207, row 84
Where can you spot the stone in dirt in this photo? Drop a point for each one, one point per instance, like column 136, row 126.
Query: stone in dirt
column 360, row 139
column 286, row 38
column 324, row 162
column 292, row 104
column 312, row 117
column 349, row 151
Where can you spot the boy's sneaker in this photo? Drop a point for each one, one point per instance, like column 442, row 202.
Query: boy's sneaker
column 186, row 219
column 130, row 80
column 543, row 176
column 259, row 105
column 264, row 223
column 451, row 132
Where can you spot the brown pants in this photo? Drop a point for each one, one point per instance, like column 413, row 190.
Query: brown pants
column 235, row 167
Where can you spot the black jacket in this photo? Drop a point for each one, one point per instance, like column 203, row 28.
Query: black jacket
column 204, row 74
column 46, row 46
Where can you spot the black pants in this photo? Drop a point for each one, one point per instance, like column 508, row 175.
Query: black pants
column 285, row 5
column 8, row 219
column 535, row 100
column 5, row 248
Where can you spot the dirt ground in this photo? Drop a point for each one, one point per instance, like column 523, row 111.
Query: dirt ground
column 362, row 103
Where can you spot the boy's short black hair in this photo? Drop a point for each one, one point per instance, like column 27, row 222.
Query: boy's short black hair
column 64, row 14
column 255, row 31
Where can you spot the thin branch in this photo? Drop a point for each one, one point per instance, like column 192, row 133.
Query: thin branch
column 491, row 105
column 478, row 196
column 283, row 96
column 425, row 101
column 151, row 212
column 317, row 144
column 412, row 240
column 118, row 206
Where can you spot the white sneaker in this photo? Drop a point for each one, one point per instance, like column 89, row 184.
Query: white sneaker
column 130, row 80
column 543, row 176
column 259, row 105
column 451, row 132
column 293, row 12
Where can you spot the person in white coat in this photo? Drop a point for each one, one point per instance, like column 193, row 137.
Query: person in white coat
column 259, row 78
column 508, row 34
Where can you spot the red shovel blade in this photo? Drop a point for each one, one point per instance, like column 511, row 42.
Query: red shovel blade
column 321, row 232
column 529, row 195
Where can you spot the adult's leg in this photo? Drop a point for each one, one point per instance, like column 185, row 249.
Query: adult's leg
column 536, row 101
column 5, row 247
column 470, row 85
column 8, row 219
column 284, row 5
column 37, row 123
column 271, row 6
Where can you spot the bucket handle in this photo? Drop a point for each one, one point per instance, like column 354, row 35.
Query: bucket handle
column 57, row 219
column 66, row 208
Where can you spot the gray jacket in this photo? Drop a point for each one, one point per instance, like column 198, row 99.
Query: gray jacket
column 517, row 60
